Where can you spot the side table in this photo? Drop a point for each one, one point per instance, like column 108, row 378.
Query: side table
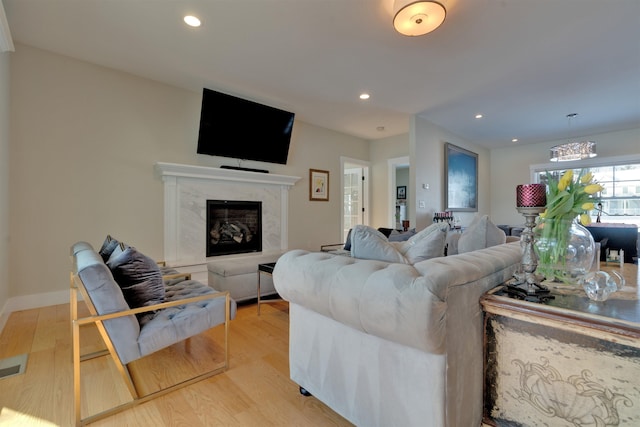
column 266, row 268
column 570, row 361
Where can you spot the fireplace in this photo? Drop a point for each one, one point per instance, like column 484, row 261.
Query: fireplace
column 233, row 227
column 186, row 191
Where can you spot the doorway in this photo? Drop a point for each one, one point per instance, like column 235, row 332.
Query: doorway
column 355, row 194
column 398, row 209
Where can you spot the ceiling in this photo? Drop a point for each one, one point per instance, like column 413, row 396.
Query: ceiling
column 523, row 64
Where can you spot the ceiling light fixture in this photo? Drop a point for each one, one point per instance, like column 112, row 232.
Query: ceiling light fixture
column 479, row 116
column 573, row 150
column 364, row 96
column 416, row 18
column 191, row 21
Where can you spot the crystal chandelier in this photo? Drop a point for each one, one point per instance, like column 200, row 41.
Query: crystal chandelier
column 573, row 150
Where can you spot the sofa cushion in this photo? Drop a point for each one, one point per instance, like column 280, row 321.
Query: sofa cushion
column 451, row 247
column 107, row 298
column 397, row 236
column 139, row 278
column 108, row 247
column 176, row 323
column 480, row 234
column 79, row 247
column 386, row 231
column 369, row 243
column 428, row 243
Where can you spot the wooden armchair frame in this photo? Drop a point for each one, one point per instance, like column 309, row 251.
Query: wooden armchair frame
column 174, row 274
column 78, row 286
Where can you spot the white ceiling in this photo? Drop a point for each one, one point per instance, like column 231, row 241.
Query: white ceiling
column 523, row 64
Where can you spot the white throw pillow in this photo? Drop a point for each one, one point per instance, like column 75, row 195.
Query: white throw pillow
column 369, row 243
column 452, row 243
column 428, row 243
column 397, row 236
column 480, row 234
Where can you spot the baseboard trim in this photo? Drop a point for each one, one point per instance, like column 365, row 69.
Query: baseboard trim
column 27, row 302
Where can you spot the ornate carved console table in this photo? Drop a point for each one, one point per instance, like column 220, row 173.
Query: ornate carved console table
column 567, row 362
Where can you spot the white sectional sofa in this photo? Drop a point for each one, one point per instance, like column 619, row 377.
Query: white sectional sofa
column 392, row 344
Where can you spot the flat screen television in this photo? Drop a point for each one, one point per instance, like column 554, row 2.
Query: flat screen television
column 242, row 129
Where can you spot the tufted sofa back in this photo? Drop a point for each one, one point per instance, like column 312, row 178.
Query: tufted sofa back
column 414, row 305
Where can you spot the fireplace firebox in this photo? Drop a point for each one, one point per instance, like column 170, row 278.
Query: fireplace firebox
column 233, row 227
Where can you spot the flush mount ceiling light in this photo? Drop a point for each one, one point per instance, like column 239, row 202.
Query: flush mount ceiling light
column 416, row 18
column 573, row 150
column 192, row 21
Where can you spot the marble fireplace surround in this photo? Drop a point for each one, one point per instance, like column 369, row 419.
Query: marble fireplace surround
column 186, row 191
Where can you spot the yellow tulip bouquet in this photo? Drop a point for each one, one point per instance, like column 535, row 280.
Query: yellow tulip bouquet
column 567, row 198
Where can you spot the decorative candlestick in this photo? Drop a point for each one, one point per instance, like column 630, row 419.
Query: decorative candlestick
column 530, row 202
column 531, row 196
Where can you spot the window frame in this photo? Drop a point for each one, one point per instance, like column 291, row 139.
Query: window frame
column 536, row 169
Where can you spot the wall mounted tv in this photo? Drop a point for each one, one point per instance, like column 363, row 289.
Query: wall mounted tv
column 243, row 129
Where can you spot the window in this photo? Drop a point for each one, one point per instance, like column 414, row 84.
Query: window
column 621, row 196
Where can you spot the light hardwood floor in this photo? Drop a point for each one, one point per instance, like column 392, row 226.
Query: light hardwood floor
column 254, row 391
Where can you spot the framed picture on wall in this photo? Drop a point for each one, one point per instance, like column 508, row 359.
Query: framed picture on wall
column 461, row 179
column 401, row 192
column 318, row 185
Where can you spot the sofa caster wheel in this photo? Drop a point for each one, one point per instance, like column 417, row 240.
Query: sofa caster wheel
column 304, row 392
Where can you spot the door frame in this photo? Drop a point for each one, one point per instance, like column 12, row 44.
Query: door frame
column 392, row 165
column 346, row 163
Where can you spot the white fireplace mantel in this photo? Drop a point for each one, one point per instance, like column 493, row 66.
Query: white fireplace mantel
column 204, row 172
column 186, row 190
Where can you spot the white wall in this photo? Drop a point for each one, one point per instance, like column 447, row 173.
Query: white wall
column 402, row 176
column 4, row 182
column 315, row 223
column 427, row 144
column 511, row 166
column 380, row 151
column 84, row 142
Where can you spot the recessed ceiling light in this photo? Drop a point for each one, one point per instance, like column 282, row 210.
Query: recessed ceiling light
column 380, row 128
column 364, row 96
column 514, row 140
column 192, row 21
column 478, row 116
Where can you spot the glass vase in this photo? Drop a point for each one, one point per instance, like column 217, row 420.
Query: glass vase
column 565, row 250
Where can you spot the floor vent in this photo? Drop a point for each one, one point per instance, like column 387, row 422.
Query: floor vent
column 11, row 366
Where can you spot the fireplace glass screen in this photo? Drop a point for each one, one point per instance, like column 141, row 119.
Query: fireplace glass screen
column 233, row 227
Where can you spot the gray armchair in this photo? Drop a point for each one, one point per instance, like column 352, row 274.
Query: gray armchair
column 189, row 308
